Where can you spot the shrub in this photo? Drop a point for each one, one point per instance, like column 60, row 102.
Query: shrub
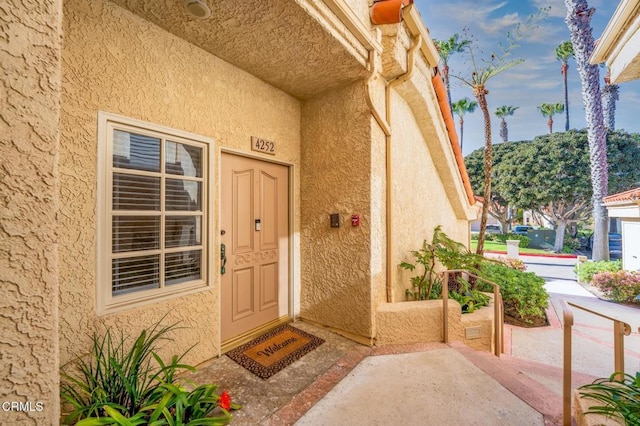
column 501, row 238
column 619, row 286
column 469, row 299
column 571, row 244
column 512, row 263
column 523, row 293
column 524, row 240
column 587, row 270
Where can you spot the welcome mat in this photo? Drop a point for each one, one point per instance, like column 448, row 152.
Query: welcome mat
column 272, row 352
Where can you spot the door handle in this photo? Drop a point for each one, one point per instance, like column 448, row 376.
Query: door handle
column 223, row 258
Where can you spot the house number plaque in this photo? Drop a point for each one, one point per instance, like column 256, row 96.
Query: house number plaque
column 263, row 145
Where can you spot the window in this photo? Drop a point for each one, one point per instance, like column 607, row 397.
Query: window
column 152, row 212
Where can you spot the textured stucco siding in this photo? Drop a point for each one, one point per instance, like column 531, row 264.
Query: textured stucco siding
column 378, row 221
column 420, row 201
column 421, row 321
column 117, row 62
column 336, row 178
column 30, row 48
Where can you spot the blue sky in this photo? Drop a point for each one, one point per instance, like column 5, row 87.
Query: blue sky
column 537, row 79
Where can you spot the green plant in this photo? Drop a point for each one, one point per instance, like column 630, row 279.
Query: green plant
column 451, row 255
column 619, row 398
column 175, row 406
column 512, row 263
column 117, row 381
column 619, row 286
column 587, row 270
column 523, row 293
column 469, row 299
column 524, row 240
column 571, row 242
column 422, row 283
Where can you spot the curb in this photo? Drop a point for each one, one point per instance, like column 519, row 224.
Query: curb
column 558, row 255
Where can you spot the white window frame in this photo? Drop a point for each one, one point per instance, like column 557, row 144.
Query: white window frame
column 106, row 302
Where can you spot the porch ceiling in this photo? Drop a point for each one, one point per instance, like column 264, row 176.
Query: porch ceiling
column 278, row 41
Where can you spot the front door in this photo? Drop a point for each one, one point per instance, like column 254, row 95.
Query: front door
column 255, row 233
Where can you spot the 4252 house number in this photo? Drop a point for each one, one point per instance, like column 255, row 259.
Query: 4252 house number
column 263, row 145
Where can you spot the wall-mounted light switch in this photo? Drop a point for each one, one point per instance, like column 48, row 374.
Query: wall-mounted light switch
column 335, row 220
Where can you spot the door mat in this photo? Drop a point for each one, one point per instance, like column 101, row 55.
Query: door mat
column 275, row 350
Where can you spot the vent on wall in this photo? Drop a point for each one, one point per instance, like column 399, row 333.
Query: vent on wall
column 473, row 332
column 197, row 9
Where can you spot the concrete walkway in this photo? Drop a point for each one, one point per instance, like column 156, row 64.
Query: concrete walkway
column 345, row 383
column 455, row 386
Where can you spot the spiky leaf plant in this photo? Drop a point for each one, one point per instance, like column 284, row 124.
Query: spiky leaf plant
column 619, row 397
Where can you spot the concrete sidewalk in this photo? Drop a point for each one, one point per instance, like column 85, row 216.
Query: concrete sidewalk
column 345, row 383
column 455, row 386
column 438, row 387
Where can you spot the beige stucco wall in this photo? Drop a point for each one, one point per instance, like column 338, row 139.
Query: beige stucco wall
column 419, row 199
column 116, row 62
column 421, row 321
column 29, row 188
column 338, row 273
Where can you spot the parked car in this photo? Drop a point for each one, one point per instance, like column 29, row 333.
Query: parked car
column 584, row 238
column 522, row 229
column 493, row 229
column 615, row 245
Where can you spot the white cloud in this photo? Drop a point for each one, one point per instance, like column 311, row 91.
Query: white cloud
column 557, row 9
column 467, row 11
column 547, row 32
column 498, row 26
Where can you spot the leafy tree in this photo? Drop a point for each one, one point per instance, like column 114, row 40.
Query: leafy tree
column 498, row 206
column 502, row 112
column 446, row 48
column 482, row 70
column 462, row 107
column 578, row 21
column 610, row 95
column 549, row 175
column 564, row 51
column 549, row 110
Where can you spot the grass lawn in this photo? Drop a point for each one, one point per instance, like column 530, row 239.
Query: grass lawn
column 496, row 246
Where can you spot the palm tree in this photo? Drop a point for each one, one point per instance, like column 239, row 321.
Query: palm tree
column 578, row 21
column 502, row 112
column 549, row 110
column 462, row 107
column 564, row 51
column 610, row 94
column 446, row 48
column 480, row 73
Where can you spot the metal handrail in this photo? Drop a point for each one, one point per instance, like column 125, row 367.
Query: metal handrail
column 498, row 310
column 620, row 329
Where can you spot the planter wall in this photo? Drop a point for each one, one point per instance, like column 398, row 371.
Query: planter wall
column 421, row 322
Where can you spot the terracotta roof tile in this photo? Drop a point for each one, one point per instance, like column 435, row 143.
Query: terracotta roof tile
column 630, row 195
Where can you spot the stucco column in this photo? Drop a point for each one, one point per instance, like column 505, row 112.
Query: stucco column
column 512, row 249
column 30, row 48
